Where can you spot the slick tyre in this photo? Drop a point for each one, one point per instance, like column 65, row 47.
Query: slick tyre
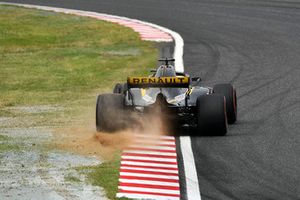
column 231, row 102
column 211, row 115
column 110, row 112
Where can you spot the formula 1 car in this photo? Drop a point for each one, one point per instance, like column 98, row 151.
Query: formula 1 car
column 181, row 98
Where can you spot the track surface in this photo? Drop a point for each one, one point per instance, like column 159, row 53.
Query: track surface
column 255, row 45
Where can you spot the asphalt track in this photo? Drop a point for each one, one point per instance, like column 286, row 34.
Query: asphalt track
column 255, row 45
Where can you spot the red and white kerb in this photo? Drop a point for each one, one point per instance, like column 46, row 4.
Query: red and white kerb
column 149, row 169
column 146, row 31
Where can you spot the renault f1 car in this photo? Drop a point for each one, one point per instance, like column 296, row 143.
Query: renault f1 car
column 181, row 98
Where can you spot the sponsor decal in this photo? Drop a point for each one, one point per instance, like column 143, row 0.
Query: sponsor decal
column 158, row 81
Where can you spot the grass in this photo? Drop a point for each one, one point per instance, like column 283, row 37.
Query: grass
column 108, row 176
column 51, row 58
column 47, row 58
column 6, row 145
column 3, row 138
column 71, row 178
column 109, row 173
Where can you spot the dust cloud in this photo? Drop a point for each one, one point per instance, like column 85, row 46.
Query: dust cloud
column 86, row 140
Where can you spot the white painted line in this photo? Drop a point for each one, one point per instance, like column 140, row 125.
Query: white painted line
column 140, row 189
column 146, row 196
column 149, row 175
column 150, row 169
column 148, row 182
column 192, row 184
column 149, row 158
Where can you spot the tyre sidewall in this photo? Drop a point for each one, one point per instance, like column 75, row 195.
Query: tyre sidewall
column 231, row 102
column 110, row 112
column 211, row 115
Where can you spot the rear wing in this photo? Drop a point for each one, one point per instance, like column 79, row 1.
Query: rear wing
column 148, row 82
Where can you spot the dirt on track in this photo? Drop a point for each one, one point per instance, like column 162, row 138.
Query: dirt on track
column 86, row 141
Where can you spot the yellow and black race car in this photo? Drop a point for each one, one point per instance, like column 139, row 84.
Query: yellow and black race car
column 181, row 99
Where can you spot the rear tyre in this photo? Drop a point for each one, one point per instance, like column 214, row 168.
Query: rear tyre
column 110, row 112
column 229, row 92
column 211, row 115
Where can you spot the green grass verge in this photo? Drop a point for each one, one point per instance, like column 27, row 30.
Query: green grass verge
column 107, row 176
column 51, row 58
column 47, row 58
